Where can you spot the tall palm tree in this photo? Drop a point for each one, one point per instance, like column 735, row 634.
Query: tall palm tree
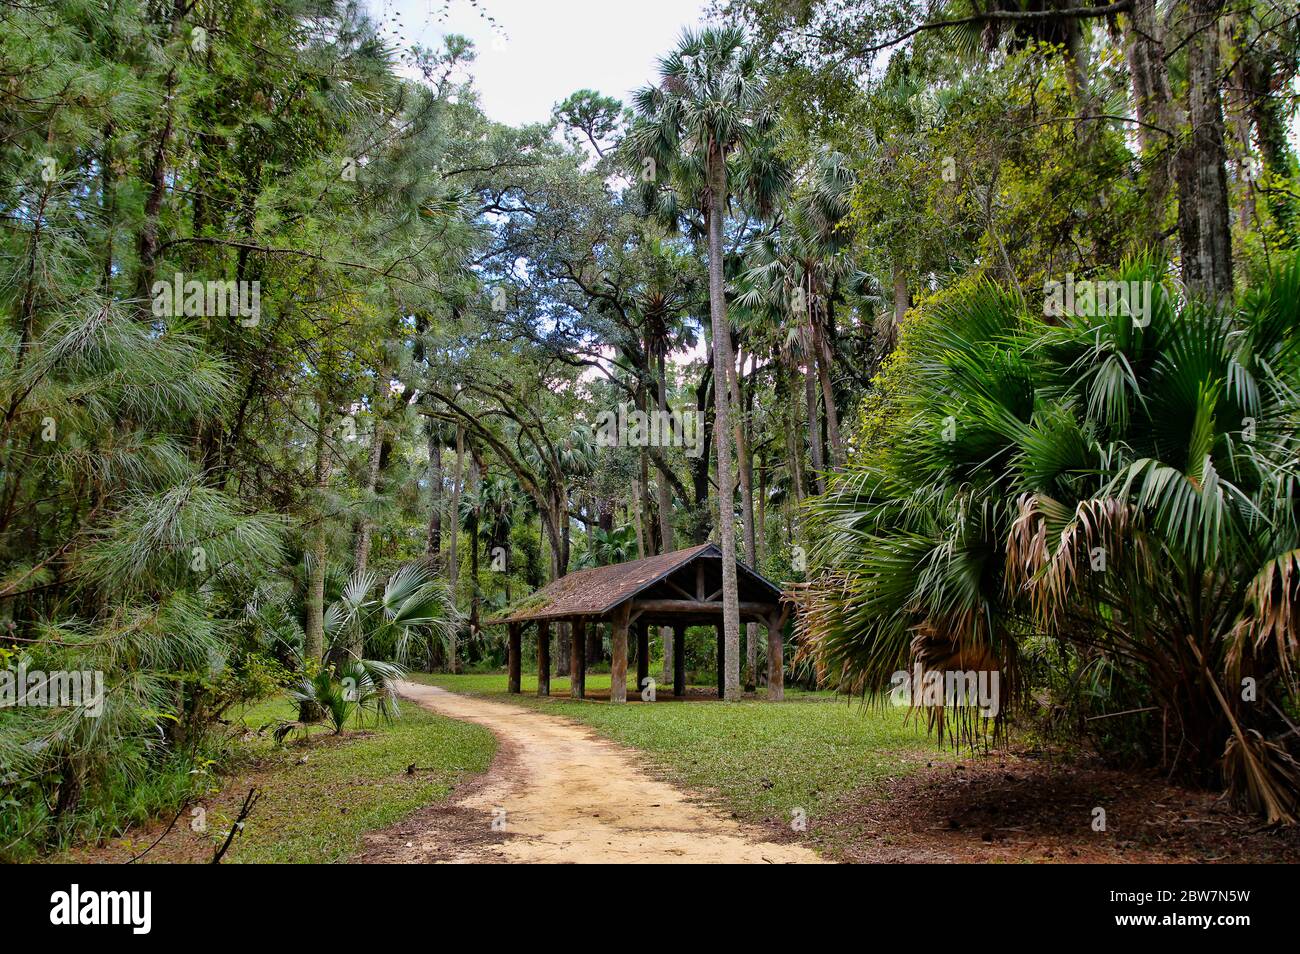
column 710, row 109
column 796, row 270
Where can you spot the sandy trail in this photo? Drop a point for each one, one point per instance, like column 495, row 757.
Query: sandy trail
column 559, row 793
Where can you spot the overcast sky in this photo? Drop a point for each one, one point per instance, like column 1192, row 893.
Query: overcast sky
column 546, row 49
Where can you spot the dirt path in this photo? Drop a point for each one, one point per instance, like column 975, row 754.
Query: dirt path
column 559, row 793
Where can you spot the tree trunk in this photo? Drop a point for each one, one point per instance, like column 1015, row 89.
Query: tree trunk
column 361, row 552
column 148, row 245
column 679, row 660
column 722, row 656
column 1144, row 49
column 314, row 637
column 745, row 464
column 902, row 302
column 578, row 664
column 543, row 659
column 642, row 654
column 794, row 449
column 700, row 465
column 453, row 561
column 1204, row 228
column 433, row 539
column 722, row 426
column 816, row 459
column 618, row 653
column 822, row 351
column 313, row 649
column 1239, row 111
column 634, row 505
column 664, row 495
column 514, row 631
column 1268, row 112
column 775, row 661
column 563, row 649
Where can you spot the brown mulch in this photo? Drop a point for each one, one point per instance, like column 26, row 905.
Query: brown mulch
column 1021, row 807
column 445, row 831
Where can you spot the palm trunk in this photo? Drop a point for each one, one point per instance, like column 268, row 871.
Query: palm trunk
column 816, row 459
column 634, row 506
column 717, row 175
column 794, row 452
column 665, row 516
column 828, row 401
column 745, row 464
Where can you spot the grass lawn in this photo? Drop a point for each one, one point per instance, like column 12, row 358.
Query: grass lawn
column 315, row 811
column 318, row 811
column 762, row 760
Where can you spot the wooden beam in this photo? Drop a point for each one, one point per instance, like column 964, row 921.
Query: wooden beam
column 679, row 660
column 544, row 659
column 775, row 658
column 618, row 654
column 578, row 660
column 682, row 590
column 642, row 654
column 759, row 611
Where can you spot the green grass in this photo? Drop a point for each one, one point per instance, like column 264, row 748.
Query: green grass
column 318, row 811
column 762, row 760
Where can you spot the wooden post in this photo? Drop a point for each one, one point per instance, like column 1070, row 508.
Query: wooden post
column 543, row 659
column 722, row 661
column 578, row 660
column 775, row 658
column 679, row 660
column 642, row 654
column 512, row 657
column 618, row 655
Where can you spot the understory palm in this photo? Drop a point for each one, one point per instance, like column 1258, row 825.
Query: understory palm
column 1122, row 488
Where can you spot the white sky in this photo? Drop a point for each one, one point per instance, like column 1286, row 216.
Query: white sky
column 550, row 48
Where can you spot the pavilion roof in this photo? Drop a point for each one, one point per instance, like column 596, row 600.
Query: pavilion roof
column 598, row 590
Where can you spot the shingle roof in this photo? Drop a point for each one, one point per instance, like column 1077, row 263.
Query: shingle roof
column 596, row 591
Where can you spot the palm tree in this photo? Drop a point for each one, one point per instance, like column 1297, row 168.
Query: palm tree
column 610, row 547
column 798, row 268
column 499, row 503
column 710, row 108
column 413, row 608
column 1125, row 489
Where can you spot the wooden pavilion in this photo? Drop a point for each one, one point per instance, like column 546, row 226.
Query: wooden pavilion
column 678, row 589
